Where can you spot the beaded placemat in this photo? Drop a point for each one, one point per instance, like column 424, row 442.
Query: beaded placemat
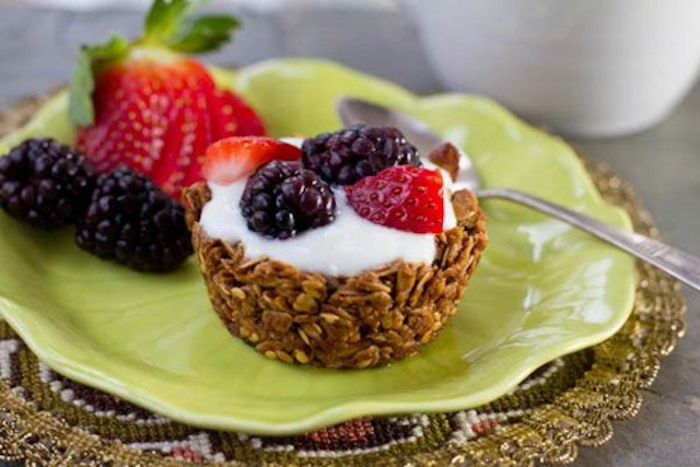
column 46, row 419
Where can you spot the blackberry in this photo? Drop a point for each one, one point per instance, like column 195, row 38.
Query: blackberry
column 45, row 183
column 132, row 221
column 283, row 199
column 358, row 151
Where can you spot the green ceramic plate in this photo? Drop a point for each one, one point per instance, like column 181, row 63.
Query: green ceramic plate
column 542, row 289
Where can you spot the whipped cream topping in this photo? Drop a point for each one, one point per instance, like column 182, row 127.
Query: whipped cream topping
column 347, row 246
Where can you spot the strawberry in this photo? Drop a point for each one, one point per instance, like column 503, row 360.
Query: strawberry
column 403, row 197
column 231, row 159
column 147, row 105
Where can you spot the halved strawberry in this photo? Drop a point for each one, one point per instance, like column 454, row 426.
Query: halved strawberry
column 403, row 197
column 146, row 105
column 233, row 158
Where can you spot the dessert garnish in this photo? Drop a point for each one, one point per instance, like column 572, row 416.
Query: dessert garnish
column 403, row 197
column 45, row 183
column 345, row 156
column 132, row 221
column 148, row 105
column 231, row 159
column 283, row 199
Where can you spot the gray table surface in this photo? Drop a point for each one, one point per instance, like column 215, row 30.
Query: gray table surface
column 37, row 49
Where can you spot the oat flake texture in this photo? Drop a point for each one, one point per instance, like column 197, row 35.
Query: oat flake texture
column 367, row 320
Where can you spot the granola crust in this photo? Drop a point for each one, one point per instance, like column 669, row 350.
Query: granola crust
column 370, row 319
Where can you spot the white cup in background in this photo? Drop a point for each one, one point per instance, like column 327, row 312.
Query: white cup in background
column 584, row 67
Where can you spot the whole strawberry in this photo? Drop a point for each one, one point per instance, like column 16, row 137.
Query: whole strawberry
column 403, row 197
column 146, row 105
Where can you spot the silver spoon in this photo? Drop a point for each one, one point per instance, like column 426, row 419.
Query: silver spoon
column 681, row 265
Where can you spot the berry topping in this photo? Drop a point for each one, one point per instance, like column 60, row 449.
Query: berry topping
column 146, row 105
column 230, row 159
column 350, row 154
column 283, row 199
column 45, row 183
column 405, row 197
column 132, row 221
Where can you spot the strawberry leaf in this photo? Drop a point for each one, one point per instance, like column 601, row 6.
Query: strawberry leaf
column 115, row 48
column 167, row 24
column 164, row 20
column 82, row 83
column 205, row 34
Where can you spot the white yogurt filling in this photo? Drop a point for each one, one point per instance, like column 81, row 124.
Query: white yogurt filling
column 347, row 246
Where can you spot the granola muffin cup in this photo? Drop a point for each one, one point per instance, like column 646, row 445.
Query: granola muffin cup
column 369, row 319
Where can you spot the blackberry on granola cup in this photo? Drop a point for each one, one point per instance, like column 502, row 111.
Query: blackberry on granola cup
column 379, row 315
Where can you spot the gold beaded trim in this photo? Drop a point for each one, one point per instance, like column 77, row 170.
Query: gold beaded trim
column 577, row 415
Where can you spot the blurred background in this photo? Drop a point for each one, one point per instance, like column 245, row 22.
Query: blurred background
column 585, row 68
column 387, row 47
column 87, row 4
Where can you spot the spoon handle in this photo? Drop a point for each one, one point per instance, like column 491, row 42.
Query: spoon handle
column 681, row 265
